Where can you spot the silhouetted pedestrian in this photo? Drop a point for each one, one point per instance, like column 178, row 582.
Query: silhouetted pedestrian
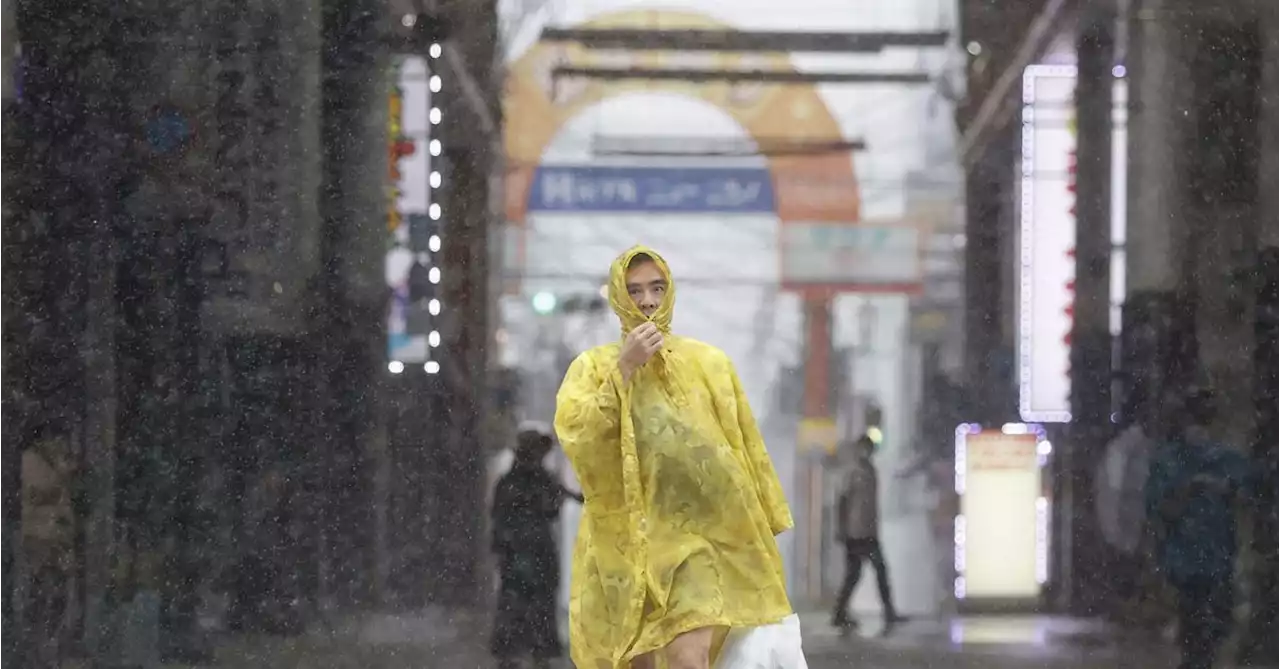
column 1189, row 497
column 858, row 526
column 526, row 504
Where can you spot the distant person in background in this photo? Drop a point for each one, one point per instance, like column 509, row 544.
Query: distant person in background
column 526, row 504
column 858, row 527
column 1190, row 495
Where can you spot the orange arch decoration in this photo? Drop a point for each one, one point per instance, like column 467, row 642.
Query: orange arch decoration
column 819, row 187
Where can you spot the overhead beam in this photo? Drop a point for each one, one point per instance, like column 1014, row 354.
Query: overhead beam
column 996, row 109
column 741, row 76
column 736, row 40
column 675, row 147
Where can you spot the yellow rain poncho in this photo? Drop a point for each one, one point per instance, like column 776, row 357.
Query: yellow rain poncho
column 682, row 500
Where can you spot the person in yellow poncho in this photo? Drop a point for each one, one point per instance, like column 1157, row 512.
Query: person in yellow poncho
column 676, row 543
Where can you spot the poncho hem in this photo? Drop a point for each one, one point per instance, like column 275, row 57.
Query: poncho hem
column 700, row 622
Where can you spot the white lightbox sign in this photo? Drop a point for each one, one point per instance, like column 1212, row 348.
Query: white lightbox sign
column 1047, row 231
column 1002, row 531
column 1048, row 137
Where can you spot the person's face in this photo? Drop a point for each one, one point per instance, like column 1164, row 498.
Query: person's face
column 647, row 286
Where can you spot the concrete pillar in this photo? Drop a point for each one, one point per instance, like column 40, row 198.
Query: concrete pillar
column 66, row 208
column 1090, row 426
column 469, row 167
column 1223, row 202
column 988, row 259
column 348, row 334
column 1160, row 101
column 262, row 83
column 1259, row 646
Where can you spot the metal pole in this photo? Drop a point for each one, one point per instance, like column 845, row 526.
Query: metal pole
column 818, row 407
column 1090, row 332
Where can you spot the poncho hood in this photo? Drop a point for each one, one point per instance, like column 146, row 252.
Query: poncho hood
column 629, row 314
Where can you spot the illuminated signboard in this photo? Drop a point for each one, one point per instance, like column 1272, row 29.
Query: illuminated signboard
column 1046, row 264
column 1002, row 530
column 1047, row 230
column 412, row 219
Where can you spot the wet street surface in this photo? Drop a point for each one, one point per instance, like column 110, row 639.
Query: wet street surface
column 432, row 639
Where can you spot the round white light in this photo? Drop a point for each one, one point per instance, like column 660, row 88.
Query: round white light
column 434, row 115
column 434, row 83
column 432, row 367
column 395, row 367
column 435, row 179
column 434, row 243
column 544, row 303
column 434, row 211
column 434, row 147
column 434, row 275
column 434, row 50
column 433, row 338
column 434, row 307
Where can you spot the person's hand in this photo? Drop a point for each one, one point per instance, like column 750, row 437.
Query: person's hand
column 640, row 345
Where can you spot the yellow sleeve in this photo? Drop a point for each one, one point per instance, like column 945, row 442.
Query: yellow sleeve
column 768, row 486
column 588, row 425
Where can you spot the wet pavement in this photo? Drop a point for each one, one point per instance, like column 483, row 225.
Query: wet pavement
column 997, row 642
column 457, row 641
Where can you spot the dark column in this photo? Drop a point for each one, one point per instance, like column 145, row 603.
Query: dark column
column 1260, row 644
column 349, row 340
column 469, row 214
column 1090, row 426
column 70, row 147
column 20, row 280
column 988, row 357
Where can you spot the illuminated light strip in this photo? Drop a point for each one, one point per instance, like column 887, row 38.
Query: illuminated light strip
column 1042, row 539
column 1044, row 449
column 958, row 532
column 434, row 210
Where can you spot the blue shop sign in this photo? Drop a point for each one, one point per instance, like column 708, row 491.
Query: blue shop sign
column 652, row 189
